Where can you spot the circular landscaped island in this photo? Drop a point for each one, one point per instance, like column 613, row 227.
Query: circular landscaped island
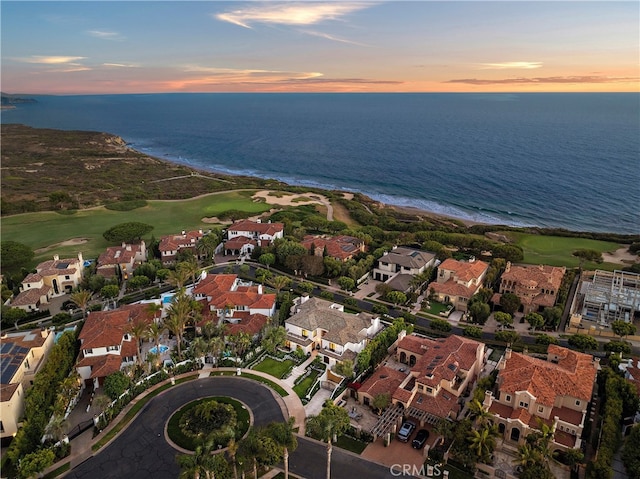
column 216, row 419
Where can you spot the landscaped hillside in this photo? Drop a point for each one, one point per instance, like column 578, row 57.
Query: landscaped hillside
column 60, row 170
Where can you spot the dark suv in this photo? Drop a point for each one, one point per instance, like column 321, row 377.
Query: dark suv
column 406, row 430
column 420, row 439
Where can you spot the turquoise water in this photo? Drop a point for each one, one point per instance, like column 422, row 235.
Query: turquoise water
column 163, row 349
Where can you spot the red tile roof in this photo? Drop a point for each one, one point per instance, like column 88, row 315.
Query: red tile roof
column 238, row 242
column 107, row 328
column 251, row 325
column 463, row 270
column 573, row 376
column 30, row 296
column 341, row 247
column 383, row 380
column 442, row 405
column 119, row 254
column 220, row 292
column 102, row 366
column 176, row 242
column 253, row 226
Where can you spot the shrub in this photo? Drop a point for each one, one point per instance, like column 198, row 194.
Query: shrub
column 126, row 205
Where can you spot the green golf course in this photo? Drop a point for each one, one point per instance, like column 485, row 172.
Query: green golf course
column 84, row 228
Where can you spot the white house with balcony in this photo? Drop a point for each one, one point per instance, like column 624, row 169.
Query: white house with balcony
column 325, row 326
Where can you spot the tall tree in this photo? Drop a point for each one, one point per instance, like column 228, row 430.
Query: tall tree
column 274, row 338
column 81, row 299
column 483, row 441
column 178, row 277
column 138, row 330
column 127, row 232
column 283, row 434
column 13, row 256
column 280, row 282
column 326, row 426
column 510, row 303
column 190, row 268
column 535, row 320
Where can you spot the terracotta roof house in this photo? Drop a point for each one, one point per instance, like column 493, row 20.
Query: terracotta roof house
column 457, row 281
column 52, row 278
column 241, row 236
column 22, row 354
column 340, row 247
column 227, row 299
column 440, row 371
column 120, row 261
column 105, row 343
column 316, row 323
column 536, row 286
column 170, row 245
column 398, row 266
column 556, row 392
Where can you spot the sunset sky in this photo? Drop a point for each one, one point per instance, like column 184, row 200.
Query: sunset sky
column 98, row 47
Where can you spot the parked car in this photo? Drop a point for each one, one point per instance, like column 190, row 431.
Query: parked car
column 420, row 440
column 406, row 430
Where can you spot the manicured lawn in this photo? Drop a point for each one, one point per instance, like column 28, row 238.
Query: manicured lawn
column 276, row 368
column 303, row 387
column 351, row 444
column 277, row 388
column 39, row 230
column 436, row 307
column 558, row 251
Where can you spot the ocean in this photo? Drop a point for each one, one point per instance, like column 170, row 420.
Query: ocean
column 569, row 160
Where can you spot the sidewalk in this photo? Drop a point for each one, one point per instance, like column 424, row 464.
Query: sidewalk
column 299, row 370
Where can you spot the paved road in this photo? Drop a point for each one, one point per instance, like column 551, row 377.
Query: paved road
column 141, row 451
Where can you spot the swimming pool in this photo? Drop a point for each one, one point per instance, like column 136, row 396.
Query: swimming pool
column 163, row 349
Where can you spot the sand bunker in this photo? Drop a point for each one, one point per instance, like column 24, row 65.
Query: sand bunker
column 70, row 242
column 620, row 256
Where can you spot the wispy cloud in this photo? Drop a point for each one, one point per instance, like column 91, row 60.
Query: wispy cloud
column 511, row 66
column 72, row 68
column 332, row 37
column 121, row 65
column 290, row 14
column 49, row 60
column 542, row 80
column 105, row 35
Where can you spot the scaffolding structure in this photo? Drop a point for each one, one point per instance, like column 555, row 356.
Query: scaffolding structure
column 611, row 296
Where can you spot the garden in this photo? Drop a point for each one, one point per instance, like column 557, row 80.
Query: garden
column 275, row 367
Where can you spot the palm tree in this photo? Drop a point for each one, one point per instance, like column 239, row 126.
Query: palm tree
column 197, row 464
column 207, row 245
column 243, row 341
column 81, row 299
column 232, row 450
column 57, row 427
column 154, row 332
column 138, row 330
column 483, row 442
column 274, row 338
column 280, row 282
column 445, row 428
column 154, row 309
column 327, row 425
column 200, row 347
column 481, row 416
column 527, row 455
column 178, row 277
column 216, row 347
column 282, row 433
column 190, row 267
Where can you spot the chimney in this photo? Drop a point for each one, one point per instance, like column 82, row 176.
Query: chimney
column 203, row 275
column 56, row 257
column 258, row 221
column 80, row 258
column 472, row 259
column 488, row 399
column 200, row 232
column 304, row 298
column 507, row 353
column 508, row 267
column 184, row 234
